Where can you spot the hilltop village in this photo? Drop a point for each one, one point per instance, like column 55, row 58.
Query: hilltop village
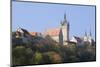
column 52, row 46
column 59, row 35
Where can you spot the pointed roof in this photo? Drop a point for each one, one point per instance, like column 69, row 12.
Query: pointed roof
column 78, row 39
column 85, row 34
column 22, row 30
column 64, row 16
column 90, row 32
column 65, row 20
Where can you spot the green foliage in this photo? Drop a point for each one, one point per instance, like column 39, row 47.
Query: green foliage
column 21, row 55
column 87, row 53
column 19, row 51
column 52, row 57
column 37, row 58
column 13, row 34
column 47, row 51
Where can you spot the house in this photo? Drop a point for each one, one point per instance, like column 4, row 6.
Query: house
column 60, row 35
column 35, row 34
column 77, row 40
column 88, row 40
column 24, row 35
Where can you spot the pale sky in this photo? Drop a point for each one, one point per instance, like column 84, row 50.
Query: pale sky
column 36, row 17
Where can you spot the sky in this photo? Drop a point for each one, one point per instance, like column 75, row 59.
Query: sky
column 38, row 17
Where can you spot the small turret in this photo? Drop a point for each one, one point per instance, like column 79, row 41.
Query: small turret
column 85, row 36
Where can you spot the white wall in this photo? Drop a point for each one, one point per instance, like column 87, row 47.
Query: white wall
column 56, row 38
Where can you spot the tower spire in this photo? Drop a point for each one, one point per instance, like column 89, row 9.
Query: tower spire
column 64, row 16
column 85, row 33
column 90, row 32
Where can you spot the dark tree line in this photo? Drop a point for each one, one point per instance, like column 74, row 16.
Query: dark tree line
column 46, row 51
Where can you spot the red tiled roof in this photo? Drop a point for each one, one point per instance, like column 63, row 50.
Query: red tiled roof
column 33, row 33
column 53, row 32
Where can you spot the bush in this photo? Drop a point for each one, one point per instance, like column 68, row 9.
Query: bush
column 52, row 57
column 21, row 55
column 37, row 58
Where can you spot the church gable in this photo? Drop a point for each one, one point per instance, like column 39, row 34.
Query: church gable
column 53, row 32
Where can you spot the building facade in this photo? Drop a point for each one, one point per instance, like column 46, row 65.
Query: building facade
column 61, row 34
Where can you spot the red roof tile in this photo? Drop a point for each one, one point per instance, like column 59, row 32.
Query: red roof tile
column 34, row 33
column 53, row 32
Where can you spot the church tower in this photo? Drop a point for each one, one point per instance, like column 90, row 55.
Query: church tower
column 90, row 38
column 65, row 30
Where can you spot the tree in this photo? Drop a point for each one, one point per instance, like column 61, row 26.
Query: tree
column 21, row 55
column 38, row 58
column 52, row 57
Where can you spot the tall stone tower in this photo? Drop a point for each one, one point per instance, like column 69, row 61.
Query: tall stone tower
column 65, row 30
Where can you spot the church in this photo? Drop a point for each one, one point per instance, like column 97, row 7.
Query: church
column 60, row 35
